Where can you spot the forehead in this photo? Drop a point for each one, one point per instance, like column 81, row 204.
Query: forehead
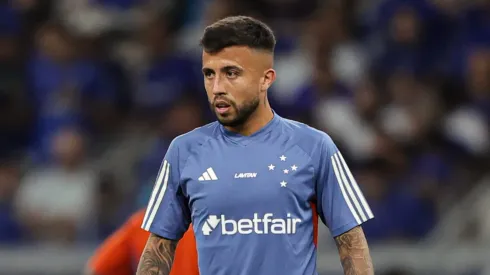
column 232, row 56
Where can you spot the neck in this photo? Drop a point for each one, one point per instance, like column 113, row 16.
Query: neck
column 255, row 122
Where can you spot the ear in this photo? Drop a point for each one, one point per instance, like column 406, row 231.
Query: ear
column 268, row 79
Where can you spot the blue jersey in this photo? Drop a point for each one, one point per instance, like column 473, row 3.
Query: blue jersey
column 252, row 200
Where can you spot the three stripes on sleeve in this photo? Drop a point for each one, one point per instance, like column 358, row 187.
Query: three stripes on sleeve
column 158, row 194
column 350, row 190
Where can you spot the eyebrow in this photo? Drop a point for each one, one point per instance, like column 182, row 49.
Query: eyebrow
column 223, row 69
column 231, row 67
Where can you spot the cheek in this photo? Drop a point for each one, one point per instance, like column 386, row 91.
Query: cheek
column 209, row 89
column 245, row 96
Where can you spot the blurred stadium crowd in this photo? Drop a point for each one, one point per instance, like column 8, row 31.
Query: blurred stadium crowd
column 93, row 91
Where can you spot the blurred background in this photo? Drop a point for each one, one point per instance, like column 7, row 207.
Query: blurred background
column 93, row 91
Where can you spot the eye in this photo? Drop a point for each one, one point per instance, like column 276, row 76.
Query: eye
column 231, row 74
column 208, row 74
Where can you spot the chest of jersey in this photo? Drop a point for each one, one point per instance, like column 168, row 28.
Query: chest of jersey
column 237, row 181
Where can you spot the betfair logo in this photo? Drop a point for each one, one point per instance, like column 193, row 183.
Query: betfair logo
column 257, row 225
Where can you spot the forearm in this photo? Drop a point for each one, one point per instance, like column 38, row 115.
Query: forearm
column 157, row 257
column 354, row 253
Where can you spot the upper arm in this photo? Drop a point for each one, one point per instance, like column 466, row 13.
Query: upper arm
column 167, row 213
column 341, row 204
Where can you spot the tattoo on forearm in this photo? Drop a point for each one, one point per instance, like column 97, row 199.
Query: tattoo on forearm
column 354, row 253
column 158, row 256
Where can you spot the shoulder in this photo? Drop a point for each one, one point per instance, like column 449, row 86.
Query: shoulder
column 193, row 140
column 307, row 137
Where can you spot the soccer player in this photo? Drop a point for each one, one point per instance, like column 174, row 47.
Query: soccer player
column 252, row 183
column 120, row 253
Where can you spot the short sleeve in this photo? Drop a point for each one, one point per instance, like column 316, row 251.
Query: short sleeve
column 167, row 214
column 340, row 203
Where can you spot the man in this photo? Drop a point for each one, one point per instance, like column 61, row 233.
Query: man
column 120, row 253
column 253, row 182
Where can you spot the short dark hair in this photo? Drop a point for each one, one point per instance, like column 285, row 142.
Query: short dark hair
column 238, row 31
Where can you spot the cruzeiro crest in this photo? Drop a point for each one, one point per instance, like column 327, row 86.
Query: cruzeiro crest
column 284, row 168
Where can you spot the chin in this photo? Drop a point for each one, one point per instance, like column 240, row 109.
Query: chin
column 226, row 121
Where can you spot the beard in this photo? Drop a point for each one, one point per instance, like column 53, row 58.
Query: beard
column 240, row 115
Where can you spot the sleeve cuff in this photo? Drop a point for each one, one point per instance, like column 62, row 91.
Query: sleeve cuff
column 166, row 234
column 341, row 230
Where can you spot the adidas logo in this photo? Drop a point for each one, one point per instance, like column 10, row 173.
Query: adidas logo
column 208, row 175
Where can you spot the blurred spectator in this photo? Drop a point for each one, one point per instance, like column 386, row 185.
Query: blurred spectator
column 166, row 75
column 57, row 203
column 298, row 85
column 211, row 11
column 66, row 89
column 94, row 17
column 14, row 101
column 401, row 215
column 402, row 38
column 109, row 202
column 411, row 111
column 32, row 14
column 348, row 120
column 11, row 231
column 106, row 116
column 290, row 10
column 467, row 125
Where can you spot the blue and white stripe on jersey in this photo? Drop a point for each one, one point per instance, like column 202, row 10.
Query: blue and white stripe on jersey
column 350, row 190
column 158, row 193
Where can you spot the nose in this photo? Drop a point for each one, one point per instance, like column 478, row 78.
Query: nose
column 218, row 87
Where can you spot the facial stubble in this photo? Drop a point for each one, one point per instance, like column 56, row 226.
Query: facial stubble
column 240, row 116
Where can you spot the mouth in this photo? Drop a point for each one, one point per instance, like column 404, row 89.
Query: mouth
column 222, row 107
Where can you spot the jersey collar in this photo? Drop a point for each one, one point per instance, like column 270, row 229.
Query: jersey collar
column 259, row 135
